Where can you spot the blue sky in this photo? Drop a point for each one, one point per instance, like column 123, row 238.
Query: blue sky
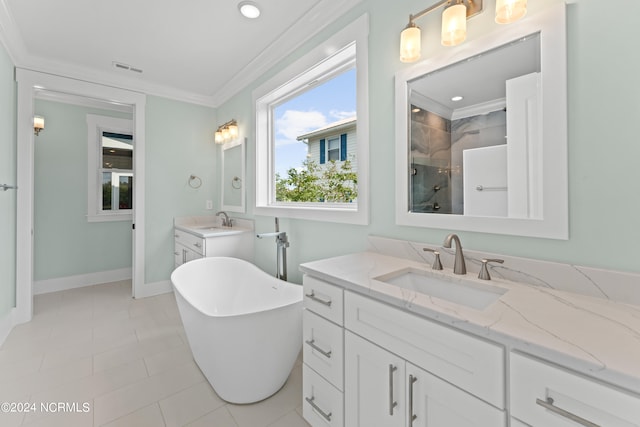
column 329, row 102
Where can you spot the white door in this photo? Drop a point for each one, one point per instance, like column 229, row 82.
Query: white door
column 435, row 403
column 374, row 385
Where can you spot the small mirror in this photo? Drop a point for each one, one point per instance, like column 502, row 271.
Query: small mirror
column 481, row 134
column 233, row 168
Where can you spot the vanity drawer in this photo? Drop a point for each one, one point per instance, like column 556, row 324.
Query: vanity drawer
column 323, row 298
column 472, row 364
column 322, row 403
column 323, row 347
column 546, row 395
column 188, row 240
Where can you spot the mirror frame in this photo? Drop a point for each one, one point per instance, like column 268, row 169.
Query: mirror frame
column 234, row 208
column 551, row 24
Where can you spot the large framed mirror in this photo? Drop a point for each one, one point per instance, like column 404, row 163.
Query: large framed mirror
column 481, row 134
column 232, row 179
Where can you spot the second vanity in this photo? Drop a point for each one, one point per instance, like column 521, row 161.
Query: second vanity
column 378, row 354
column 205, row 236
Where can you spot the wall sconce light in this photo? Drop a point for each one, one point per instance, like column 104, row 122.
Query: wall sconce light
column 226, row 132
column 38, row 124
column 454, row 23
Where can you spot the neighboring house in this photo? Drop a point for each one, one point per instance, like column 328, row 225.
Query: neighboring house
column 336, row 141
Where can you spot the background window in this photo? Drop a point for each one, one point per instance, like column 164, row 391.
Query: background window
column 117, row 171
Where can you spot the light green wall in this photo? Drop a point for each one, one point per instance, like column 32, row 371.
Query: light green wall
column 179, row 143
column 7, row 176
column 65, row 244
column 604, row 180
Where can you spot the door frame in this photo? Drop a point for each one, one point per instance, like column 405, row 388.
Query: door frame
column 28, row 82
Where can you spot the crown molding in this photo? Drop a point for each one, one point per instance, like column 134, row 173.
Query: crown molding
column 317, row 18
column 311, row 23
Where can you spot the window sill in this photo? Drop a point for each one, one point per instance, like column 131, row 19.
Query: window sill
column 351, row 215
column 110, row 217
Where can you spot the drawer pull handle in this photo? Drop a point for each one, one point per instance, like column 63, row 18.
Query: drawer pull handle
column 312, row 344
column 412, row 416
column 316, row 408
column 392, row 403
column 548, row 404
column 313, row 296
column 197, row 245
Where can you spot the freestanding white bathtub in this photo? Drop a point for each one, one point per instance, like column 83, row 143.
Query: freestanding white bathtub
column 244, row 326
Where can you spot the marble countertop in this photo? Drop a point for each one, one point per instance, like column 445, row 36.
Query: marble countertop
column 210, row 226
column 594, row 336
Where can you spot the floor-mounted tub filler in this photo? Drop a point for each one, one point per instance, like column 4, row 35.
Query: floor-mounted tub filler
column 244, row 326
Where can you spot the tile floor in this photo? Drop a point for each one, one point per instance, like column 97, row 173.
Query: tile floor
column 121, row 362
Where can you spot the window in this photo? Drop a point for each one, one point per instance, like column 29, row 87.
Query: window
column 311, row 138
column 110, row 168
column 117, row 172
column 333, row 152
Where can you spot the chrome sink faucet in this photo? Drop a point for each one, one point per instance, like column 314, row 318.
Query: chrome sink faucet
column 459, row 267
column 226, row 221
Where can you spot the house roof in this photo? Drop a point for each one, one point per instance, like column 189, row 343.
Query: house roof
column 330, row 128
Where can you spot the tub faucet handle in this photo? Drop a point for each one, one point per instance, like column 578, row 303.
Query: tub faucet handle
column 437, row 265
column 484, row 271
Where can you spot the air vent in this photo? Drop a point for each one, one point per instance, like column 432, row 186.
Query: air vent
column 122, row 66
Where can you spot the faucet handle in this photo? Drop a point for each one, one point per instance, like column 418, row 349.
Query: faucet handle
column 484, row 271
column 437, row 265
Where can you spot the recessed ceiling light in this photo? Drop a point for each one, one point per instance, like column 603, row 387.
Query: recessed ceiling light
column 456, row 98
column 249, row 9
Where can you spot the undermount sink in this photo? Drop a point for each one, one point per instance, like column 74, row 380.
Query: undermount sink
column 457, row 290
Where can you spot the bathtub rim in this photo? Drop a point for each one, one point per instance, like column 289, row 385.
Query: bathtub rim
column 267, row 276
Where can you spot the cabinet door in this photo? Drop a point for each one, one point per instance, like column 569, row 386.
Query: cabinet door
column 374, row 385
column 435, row 403
column 183, row 254
column 550, row 396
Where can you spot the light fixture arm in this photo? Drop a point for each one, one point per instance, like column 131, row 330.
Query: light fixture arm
column 473, row 8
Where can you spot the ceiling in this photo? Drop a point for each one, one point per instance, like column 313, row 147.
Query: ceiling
column 202, row 51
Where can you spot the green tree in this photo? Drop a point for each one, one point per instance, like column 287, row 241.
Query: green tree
column 335, row 183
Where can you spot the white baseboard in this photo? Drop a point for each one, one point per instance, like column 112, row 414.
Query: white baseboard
column 152, row 289
column 6, row 325
column 81, row 280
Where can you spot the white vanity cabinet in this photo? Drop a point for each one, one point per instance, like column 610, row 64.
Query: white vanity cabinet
column 323, row 355
column 397, row 364
column 208, row 241
column 382, row 389
column 546, row 395
column 187, row 247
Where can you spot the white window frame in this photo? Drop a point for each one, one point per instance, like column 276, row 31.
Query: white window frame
column 96, row 125
column 344, row 50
